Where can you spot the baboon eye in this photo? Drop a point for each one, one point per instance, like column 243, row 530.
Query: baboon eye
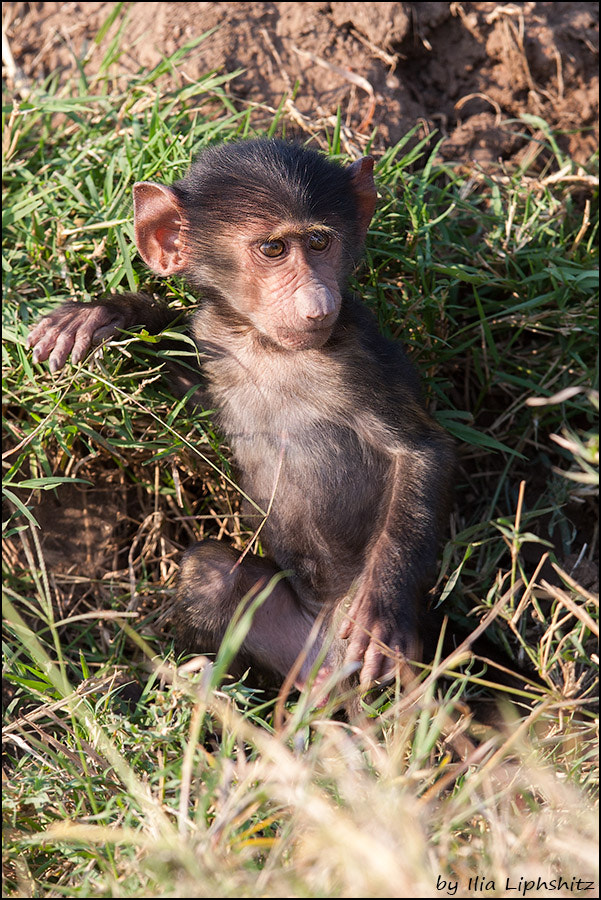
column 319, row 240
column 272, row 248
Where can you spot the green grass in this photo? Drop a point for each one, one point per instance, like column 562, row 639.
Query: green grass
column 201, row 787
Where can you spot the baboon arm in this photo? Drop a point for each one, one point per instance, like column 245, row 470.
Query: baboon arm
column 382, row 618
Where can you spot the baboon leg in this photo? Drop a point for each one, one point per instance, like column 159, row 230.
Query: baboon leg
column 213, row 583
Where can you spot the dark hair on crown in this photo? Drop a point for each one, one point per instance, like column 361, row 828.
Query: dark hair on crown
column 235, row 181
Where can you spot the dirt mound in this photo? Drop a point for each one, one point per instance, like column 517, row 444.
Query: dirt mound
column 460, row 68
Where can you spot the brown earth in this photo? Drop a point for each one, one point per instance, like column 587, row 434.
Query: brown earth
column 460, row 68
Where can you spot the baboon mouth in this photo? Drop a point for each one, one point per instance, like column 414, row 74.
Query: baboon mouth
column 307, row 339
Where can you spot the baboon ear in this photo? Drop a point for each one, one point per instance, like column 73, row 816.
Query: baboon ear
column 159, row 228
column 364, row 189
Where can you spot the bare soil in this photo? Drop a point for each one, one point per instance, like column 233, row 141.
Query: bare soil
column 460, row 68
